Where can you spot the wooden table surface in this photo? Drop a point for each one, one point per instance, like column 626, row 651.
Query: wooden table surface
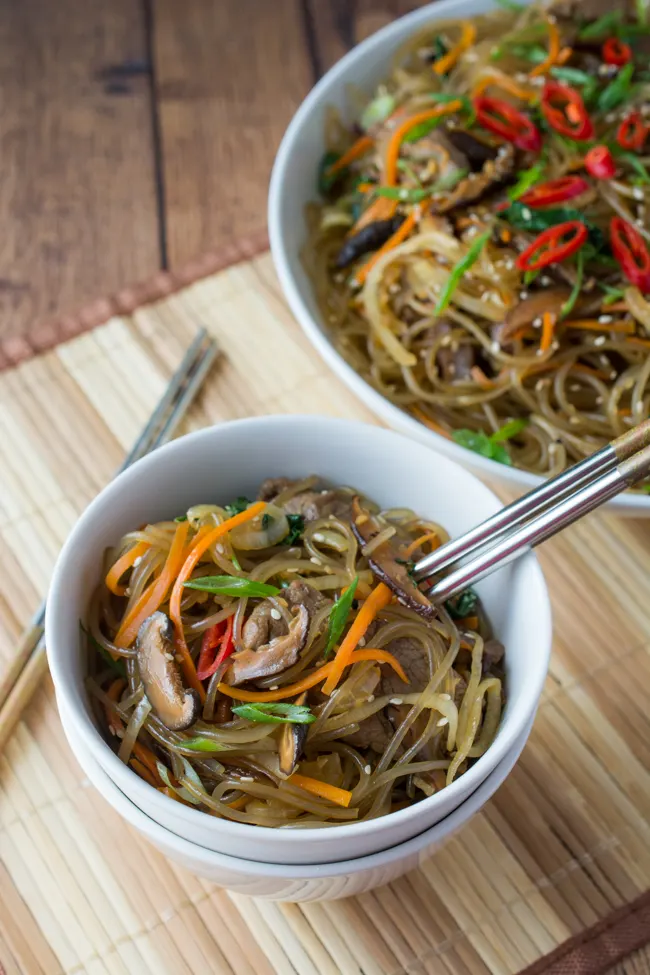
column 137, row 134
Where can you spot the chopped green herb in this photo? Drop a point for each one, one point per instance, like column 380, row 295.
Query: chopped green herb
column 480, row 443
column 611, row 294
column 403, row 194
column 199, row 744
column 448, row 181
column 339, row 616
column 573, row 75
column 569, row 304
column 462, row 605
column 602, row 27
column 439, row 47
column 527, row 178
column 459, row 270
column 511, row 5
column 232, row 586
column 634, row 162
column 266, row 521
column 525, row 218
column 377, row 111
column 617, row 91
column 117, row 666
column 236, row 507
column 419, row 131
column 642, row 11
column 443, row 98
column 529, row 276
column 509, row 430
column 326, row 179
column 181, row 518
column 275, row 713
column 296, row 528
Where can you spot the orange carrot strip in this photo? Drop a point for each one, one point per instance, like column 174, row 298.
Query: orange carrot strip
column 292, row 690
column 143, row 772
column 341, row 797
column 380, row 209
column 506, row 84
column 358, row 148
column 429, row 537
column 506, row 235
column 380, row 597
column 400, row 234
column 428, row 422
column 626, row 327
column 615, row 306
column 239, row 803
column 553, row 49
column 155, row 593
column 564, row 55
column 124, row 563
column 468, row 623
column 639, row 343
column 201, row 544
column 481, row 379
column 548, row 328
column 392, row 152
column 467, row 38
column 112, row 717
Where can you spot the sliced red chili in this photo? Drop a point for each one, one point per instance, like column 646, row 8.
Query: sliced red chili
column 553, row 245
column 631, row 252
column 599, row 163
column 632, row 132
column 555, row 191
column 564, row 110
column 616, row 51
column 217, row 645
column 505, row 120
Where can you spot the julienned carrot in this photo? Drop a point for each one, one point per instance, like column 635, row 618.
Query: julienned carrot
column 553, row 49
column 380, row 209
column 400, row 234
column 201, row 544
column 467, row 38
column 392, row 152
column 339, row 796
column 292, row 690
column 429, row 537
column 140, row 769
column 380, row 596
column 548, row 328
column 505, row 83
column 124, row 563
column 358, row 148
column 156, row 592
column 626, row 327
column 428, row 422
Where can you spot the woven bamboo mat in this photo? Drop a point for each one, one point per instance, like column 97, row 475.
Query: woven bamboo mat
column 561, row 846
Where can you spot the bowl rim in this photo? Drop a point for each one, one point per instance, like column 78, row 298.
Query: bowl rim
column 136, row 817
column 279, row 185
column 80, row 719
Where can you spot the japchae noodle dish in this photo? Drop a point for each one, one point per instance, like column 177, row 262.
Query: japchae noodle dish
column 274, row 663
column 481, row 253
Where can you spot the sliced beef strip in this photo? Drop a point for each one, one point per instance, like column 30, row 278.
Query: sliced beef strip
column 310, row 504
column 260, row 627
column 452, row 363
column 413, row 658
column 375, row 733
column 493, row 652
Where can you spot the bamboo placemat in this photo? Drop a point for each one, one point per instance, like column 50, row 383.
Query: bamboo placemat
column 563, row 844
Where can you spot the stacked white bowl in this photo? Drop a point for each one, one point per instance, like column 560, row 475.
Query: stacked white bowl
column 232, row 459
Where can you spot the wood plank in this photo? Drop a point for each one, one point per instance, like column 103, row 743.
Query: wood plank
column 77, row 194
column 337, row 25
column 228, row 77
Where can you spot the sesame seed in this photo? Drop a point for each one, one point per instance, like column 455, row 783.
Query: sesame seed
column 639, row 222
column 371, row 698
column 127, row 591
column 471, row 56
column 552, row 448
column 574, row 420
column 526, row 214
column 362, row 641
column 137, row 561
column 510, row 264
column 274, row 687
column 574, row 387
column 638, row 193
column 485, row 296
column 276, row 614
column 442, row 722
column 395, row 700
column 220, row 549
column 521, row 77
column 495, row 347
column 599, row 340
column 605, row 319
column 179, row 658
column 318, row 537
column 246, row 778
column 537, row 322
column 611, row 117
column 523, row 295
column 545, row 280
column 599, row 401
column 445, row 697
column 169, row 656
column 315, row 560
column 539, row 385
column 367, row 769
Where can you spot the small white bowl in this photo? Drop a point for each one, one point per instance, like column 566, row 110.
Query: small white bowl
column 293, row 185
column 225, row 461
column 278, row 881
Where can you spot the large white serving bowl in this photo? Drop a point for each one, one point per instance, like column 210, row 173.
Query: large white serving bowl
column 293, row 185
column 222, row 462
column 288, row 882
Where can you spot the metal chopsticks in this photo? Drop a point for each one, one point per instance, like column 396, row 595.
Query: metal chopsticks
column 538, row 515
column 21, row 678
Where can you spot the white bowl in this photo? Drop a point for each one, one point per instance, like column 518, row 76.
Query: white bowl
column 225, row 461
column 293, row 185
column 287, row 882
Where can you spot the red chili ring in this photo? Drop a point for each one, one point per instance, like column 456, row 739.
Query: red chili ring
column 555, row 191
column 550, row 246
column 631, row 252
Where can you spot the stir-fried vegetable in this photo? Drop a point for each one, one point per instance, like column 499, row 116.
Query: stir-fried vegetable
column 553, row 245
column 232, row 586
column 461, row 268
column 275, row 713
column 506, row 121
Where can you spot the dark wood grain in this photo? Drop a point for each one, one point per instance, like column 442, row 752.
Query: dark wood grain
column 77, row 193
column 337, row 25
column 228, row 76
